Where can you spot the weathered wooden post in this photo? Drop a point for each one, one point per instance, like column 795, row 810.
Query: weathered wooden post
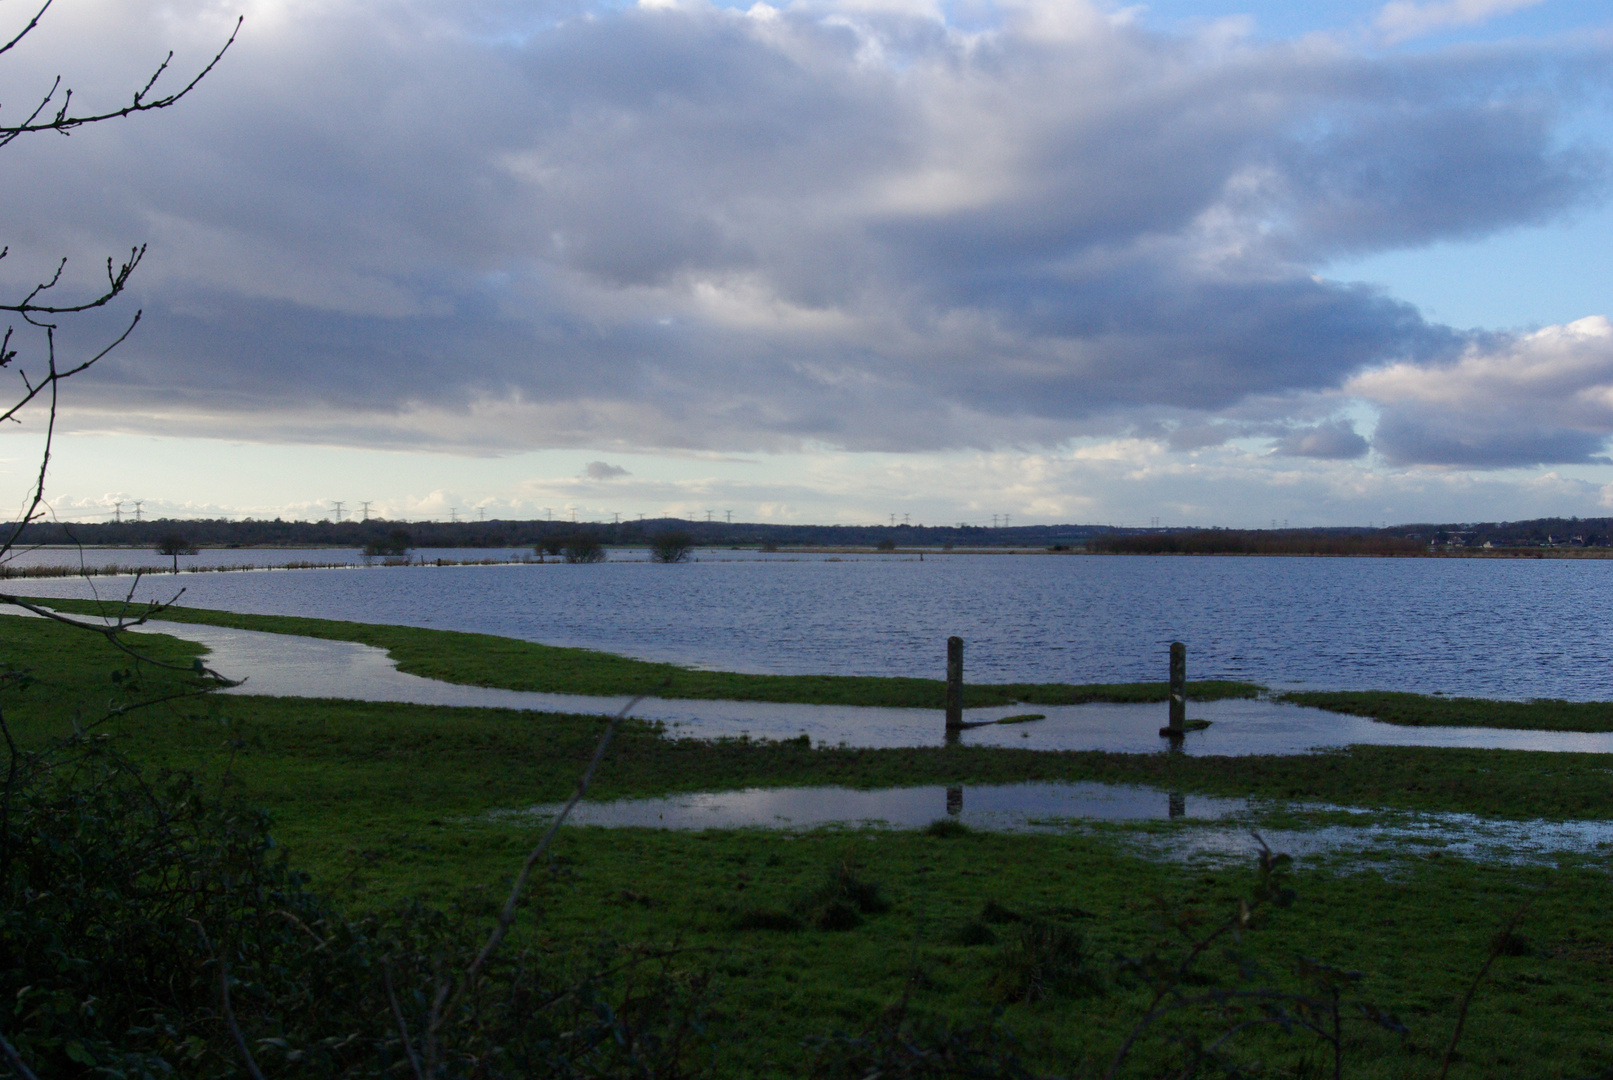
column 1178, row 686
column 954, row 683
column 954, row 801
column 1178, row 804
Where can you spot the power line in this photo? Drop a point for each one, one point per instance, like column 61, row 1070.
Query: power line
column 339, row 506
column 117, row 512
column 137, row 503
column 365, row 510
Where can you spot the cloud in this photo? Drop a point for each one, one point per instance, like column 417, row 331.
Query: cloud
column 1507, row 401
column 1334, row 440
column 1402, row 20
column 480, row 228
column 599, row 470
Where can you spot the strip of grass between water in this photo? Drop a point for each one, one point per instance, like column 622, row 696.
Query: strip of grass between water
column 1423, row 710
column 511, row 664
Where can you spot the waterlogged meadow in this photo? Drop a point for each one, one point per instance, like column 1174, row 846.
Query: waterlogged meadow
column 1470, row 889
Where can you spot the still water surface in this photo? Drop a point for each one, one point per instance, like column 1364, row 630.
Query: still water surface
column 1513, row 628
column 1200, row 827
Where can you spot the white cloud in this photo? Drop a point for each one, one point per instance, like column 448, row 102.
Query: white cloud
column 487, row 229
column 1543, row 397
column 1402, row 20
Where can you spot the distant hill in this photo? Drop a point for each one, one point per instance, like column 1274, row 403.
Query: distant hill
column 1397, row 539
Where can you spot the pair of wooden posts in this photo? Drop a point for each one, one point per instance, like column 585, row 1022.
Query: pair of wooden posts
column 1178, row 692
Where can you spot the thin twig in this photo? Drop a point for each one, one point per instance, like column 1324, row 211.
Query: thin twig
column 1496, row 948
column 403, row 1026
column 14, row 1059
column 229, row 1017
column 447, row 996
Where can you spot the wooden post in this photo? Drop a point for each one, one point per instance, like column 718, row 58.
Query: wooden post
column 954, row 801
column 1178, row 685
column 954, row 682
column 1178, row 804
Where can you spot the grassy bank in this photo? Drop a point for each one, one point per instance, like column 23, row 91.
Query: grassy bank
column 508, row 663
column 390, row 802
column 393, row 761
column 1423, row 710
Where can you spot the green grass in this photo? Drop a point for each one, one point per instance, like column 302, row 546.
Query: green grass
column 512, row 664
column 387, row 802
column 1424, row 710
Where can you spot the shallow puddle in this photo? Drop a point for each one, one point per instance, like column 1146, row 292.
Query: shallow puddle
column 284, row 665
column 995, row 807
column 1165, row 824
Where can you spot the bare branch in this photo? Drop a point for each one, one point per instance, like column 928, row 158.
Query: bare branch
column 63, row 122
column 57, row 376
column 25, row 31
column 112, row 631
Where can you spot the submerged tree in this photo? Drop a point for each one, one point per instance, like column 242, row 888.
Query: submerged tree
column 174, row 545
column 583, row 548
column 672, row 546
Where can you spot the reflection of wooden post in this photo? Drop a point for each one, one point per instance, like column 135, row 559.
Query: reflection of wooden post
column 1178, row 804
column 954, row 801
column 1178, row 685
column 954, row 682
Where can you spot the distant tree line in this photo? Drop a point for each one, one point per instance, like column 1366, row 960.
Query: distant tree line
column 551, row 535
column 1258, row 542
column 382, row 536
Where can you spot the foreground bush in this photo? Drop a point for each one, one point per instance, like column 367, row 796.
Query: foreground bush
column 148, row 931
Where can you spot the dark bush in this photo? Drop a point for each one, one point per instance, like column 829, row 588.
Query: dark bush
column 395, row 544
column 672, row 546
column 885, row 545
column 582, row 548
column 129, row 904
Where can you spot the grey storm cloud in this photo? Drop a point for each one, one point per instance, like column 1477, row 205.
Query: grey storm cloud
column 485, row 226
column 1336, row 440
column 601, row 470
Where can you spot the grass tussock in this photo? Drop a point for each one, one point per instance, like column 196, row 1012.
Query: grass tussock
column 841, row 901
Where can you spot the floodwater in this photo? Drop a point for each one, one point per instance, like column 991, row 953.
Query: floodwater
column 1213, row 829
column 1500, row 628
column 289, row 666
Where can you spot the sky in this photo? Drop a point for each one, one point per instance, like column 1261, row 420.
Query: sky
column 1197, row 262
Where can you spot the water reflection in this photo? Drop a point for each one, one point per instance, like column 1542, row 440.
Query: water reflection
column 1162, row 824
column 284, row 665
column 995, row 807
